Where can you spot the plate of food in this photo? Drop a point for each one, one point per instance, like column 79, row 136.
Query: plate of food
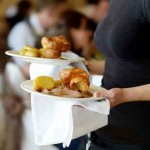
column 73, row 85
column 65, row 59
column 54, row 50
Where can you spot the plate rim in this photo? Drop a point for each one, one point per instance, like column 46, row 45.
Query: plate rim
column 61, row 98
column 14, row 53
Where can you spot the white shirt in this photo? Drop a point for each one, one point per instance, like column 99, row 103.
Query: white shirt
column 22, row 35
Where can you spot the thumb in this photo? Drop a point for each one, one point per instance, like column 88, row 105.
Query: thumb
column 101, row 93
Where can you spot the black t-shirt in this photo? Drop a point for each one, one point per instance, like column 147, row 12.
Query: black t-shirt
column 124, row 39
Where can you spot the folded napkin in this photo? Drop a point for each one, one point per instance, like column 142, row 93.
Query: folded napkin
column 59, row 121
column 53, row 70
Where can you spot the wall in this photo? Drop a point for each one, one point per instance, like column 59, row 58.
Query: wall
column 76, row 3
column 4, row 4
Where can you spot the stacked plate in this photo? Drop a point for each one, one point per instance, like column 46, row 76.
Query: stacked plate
column 67, row 58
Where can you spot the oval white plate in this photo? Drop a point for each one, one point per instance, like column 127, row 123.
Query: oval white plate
column 69, row 57
column 28, row 87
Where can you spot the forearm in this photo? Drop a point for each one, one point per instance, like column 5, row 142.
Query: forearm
column 96, row 67
column 118, row 96
column 139, row 93
column 25, row 71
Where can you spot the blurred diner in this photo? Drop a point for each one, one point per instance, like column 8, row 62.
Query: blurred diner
column 21, row 12
column 11, row 106
column 95, row 9
column 100, row 9
column 29, row 32
column 80, row 30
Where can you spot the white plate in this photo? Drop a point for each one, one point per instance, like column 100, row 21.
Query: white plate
column 68, row 58
column 28, row 87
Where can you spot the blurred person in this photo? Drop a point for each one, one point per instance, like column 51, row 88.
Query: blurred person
column 100, row 9
column 96, row 67
column 11, row 106
column 29, row 32
column 95, row 9
column 23, row 9
column 3, row 60
column 80, row 31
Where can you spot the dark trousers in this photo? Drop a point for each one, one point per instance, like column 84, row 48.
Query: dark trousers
column 73, row 146
column 100, row 144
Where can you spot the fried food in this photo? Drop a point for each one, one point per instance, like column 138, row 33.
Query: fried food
column 41, row 52
column 74, row 83
column 48, row 42
column 29, row 51
column 79, row 71
column 43, row 82
column 51, row 53
column 79, row 83
column 65, row 76
column 65, row 45
column 57, row 83
column 75, row 78
column 22, row 52
column 52, row 47
column 29, row 48
column 56, row 42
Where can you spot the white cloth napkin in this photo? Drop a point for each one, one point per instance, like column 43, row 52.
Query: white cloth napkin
column 60, row 121
column 57, row 121
column 52, row 70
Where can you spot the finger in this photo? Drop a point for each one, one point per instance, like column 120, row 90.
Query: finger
column 97, row 94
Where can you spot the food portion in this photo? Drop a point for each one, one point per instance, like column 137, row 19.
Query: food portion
column 29, row 51
column 79, row 83
column 75, row 78
column 56, row 43
column 67, row 92
column 73, row 83
column 43, row 82
column 52, row 47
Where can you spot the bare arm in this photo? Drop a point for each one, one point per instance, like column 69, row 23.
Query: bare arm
column 123, row 95
column 25, row 71
column 96, row 67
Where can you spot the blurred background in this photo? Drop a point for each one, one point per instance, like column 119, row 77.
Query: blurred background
column 6, row 3
column 20, row 23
